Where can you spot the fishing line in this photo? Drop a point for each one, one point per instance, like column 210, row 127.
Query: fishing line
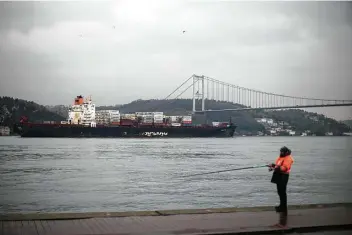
column 182, row 179
column 234, row 169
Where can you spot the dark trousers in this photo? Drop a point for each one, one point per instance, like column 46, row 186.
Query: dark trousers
column 281, row 190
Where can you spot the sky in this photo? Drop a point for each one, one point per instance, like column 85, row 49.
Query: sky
column 120, row 51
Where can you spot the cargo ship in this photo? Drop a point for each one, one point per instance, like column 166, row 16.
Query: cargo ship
column 84, row 121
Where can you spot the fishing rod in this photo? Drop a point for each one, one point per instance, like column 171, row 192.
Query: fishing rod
column 235, row 169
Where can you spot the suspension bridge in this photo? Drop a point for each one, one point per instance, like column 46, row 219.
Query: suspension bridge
column 205, row 88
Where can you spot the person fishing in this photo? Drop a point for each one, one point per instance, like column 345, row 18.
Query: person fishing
column 282, row 168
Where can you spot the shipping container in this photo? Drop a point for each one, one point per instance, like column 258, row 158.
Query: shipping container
column 159, row 124
column 107, row 112
column 145, row 124
column 126, row 122
column 187, row 118
column 128, row 116
column 215, row 123
column 144, row 113
column 173, row 118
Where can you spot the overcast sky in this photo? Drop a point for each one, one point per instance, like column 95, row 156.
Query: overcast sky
column 120, row 51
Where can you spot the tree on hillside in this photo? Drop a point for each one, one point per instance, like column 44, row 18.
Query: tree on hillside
column 12, row 110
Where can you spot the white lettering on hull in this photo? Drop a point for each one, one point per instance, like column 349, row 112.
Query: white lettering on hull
column 150, row 133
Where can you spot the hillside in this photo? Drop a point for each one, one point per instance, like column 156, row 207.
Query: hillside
column 298, row 121
column 348, row 123
column 301, row 120
column 12, row 109
column 62, row 110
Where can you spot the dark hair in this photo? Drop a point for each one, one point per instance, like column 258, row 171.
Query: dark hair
column 285, row 150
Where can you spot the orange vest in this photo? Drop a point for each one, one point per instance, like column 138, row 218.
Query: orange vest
column 285, row 163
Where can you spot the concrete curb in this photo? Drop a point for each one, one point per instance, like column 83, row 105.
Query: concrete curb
column 67, row 216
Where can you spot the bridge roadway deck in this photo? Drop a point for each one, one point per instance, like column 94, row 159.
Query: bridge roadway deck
column 305, row 219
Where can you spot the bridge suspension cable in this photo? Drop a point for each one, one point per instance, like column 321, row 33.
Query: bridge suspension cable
column 249, row 99
column 268, row 93
column 242, row 98
column 174, row 99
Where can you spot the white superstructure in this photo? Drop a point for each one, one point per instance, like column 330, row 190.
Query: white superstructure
column 82, row 112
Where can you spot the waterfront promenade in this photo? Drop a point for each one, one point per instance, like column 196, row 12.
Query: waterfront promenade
column 256, row 220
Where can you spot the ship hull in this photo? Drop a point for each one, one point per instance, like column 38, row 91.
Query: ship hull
column 123, row 132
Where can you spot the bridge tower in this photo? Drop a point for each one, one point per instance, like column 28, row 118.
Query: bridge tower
column 198, row 81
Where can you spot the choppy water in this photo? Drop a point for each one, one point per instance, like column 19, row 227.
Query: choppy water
column 140, row 174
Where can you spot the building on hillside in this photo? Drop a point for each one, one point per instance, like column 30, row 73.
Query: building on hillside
column 4, row 131
column 270, row 121
column 274, row 124
column 265, row 120
column 291, row 132
column 314, row 118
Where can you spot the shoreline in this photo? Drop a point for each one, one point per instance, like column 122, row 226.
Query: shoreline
column 84, row 215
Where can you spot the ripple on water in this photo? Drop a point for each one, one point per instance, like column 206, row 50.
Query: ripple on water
column 62, row 175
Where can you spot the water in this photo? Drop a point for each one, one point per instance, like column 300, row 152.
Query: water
column 80, row 175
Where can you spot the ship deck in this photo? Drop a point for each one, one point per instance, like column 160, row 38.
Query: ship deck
column 259, row 220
